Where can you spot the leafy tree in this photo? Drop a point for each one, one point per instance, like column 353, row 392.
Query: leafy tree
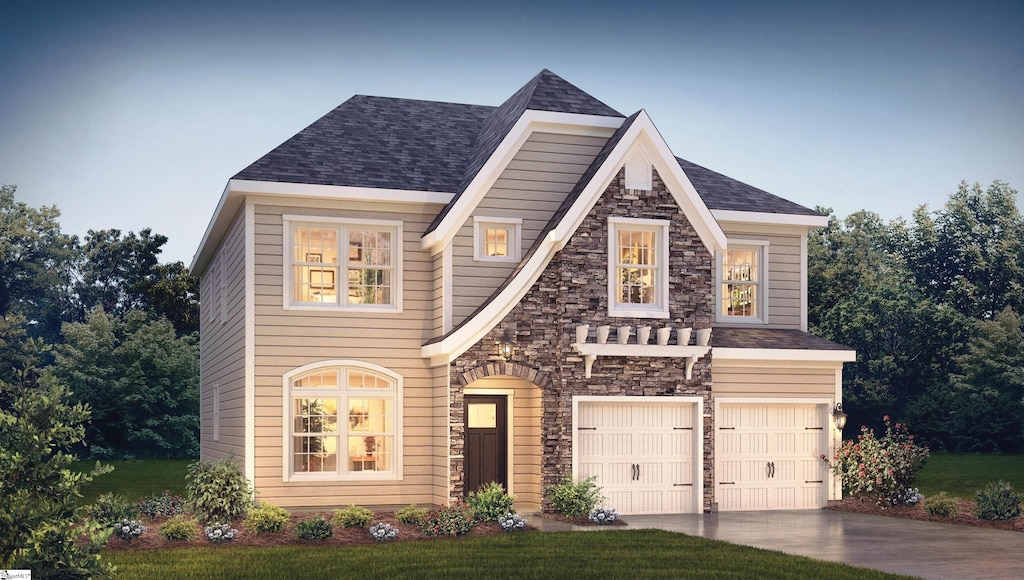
column 40, row 521
column 173, row 292
column 141, row 380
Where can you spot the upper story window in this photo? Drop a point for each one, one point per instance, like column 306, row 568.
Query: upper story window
column 351, row 264
column 638, row 267
column 742, row 295
column 342, row 422
column 497, row 239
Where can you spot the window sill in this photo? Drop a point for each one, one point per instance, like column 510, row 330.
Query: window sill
column 740, row 320
column 636, row 313
column 356, row 477
column 344, row 309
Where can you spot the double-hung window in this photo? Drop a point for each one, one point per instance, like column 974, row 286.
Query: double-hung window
column 343, row 264
column 342, row 423
column 638, row 267
column 742, row 296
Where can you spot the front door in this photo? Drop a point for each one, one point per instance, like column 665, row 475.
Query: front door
column 486, row 441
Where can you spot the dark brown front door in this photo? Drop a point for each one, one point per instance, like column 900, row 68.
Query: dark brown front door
column 486, row 441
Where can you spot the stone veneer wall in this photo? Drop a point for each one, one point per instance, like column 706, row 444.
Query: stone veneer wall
column 573, row 290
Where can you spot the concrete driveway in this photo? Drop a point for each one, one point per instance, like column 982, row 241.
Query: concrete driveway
column 926, row 549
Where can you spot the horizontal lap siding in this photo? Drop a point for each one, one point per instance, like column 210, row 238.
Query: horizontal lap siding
column 531, row 188
column 222, row 349
column 759, row 381
column 784, row 267
column 287, row 339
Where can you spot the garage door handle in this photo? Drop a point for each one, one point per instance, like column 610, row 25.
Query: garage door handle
column 773, row 470
column 638, row 472
column 633, row 467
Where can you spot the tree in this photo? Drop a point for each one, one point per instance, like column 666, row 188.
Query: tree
column 141, row 380
column 40, row 521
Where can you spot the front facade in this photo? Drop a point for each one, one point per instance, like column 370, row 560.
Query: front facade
column 409, row 299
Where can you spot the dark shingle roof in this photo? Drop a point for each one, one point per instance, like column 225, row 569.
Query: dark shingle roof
column 379, row 142
column 783, row 338
column 721, row 192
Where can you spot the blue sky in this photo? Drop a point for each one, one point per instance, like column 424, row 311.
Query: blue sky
column 131, row 114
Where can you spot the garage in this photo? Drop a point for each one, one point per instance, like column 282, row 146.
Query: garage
column 642, row 451
column 768, row 455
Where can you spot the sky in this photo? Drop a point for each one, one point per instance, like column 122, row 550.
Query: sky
column 132, row 115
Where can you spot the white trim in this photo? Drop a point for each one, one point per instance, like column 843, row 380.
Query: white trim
column 787, row 354
column 509, row 395
column 762, row 300
column 250, row 343
column 679, row 185
column 698, row 429
column 529, row 123
column 661, row 230
column 398, row 269
column 448, row 283
column 803, row 282
column 783, row 219
column 514, row 226
column 286, row 413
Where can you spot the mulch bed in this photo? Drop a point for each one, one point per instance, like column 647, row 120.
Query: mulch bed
column 965, row 516
column 151, row 538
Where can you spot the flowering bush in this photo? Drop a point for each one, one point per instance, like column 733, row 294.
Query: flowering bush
column 453, row 520
column 511, row 522
column 219, row 533
column 128, row 529
column 163, row 504
column 603, row 516
column 383, row 532
column 884, row 468
column 908, row 497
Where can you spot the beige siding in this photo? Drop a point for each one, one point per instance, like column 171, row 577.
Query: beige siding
column 784, row 268
column 761, row 380
column 286, row 339
column 531, row 188
column 222, row 348
column 526, row 436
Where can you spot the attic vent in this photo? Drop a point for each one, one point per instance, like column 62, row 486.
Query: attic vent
column 638, row 173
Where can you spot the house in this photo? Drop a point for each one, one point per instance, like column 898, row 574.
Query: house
column 409, row 298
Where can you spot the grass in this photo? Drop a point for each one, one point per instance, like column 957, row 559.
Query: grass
column 136, row 478
column 963, row 475
column 605, row 554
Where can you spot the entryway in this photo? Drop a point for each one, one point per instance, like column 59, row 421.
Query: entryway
column 486, row 448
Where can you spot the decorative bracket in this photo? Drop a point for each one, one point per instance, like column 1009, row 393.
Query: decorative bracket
column 591, row 351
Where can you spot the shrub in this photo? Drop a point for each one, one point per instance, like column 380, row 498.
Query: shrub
column 163, row 504
column 219, row 533
column 603, row 516
column 575, row 500
column 511, row 522
column 314, row 528
column 411, row 515
column 883, row 468
column 217, row 490
column 266, row 518
column 178, row 529
column 352, row 517
column 128, row 529
column 111, row 508
column 941, row 505
column 997, row 501
column 383, row 532
column 490, row 502
column 453, row 520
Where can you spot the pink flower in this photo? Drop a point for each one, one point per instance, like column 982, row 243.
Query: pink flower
column 886, row 418
column 897, row 425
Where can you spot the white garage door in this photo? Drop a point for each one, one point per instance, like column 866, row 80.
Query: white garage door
column 768, row 456
column 641, row 453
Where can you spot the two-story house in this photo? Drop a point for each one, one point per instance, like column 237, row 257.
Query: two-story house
column 410, row 298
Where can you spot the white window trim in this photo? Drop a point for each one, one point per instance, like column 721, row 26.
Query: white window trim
column 762, row 283
column 289, row 221
column 288, row 439
column 216, row 412
column 515, row 241
column 659, row 310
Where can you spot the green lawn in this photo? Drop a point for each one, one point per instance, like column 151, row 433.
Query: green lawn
column 963, row 475
column 604, row 554
column 136, row 478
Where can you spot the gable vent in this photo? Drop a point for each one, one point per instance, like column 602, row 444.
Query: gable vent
column 638, row 173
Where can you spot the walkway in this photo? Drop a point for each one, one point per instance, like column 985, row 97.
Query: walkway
column 931, row 550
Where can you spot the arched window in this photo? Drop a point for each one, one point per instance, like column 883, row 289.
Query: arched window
column 341, row 422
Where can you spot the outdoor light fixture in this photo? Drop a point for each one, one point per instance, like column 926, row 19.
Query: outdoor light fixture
column 505, row 346
column 839, row 416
